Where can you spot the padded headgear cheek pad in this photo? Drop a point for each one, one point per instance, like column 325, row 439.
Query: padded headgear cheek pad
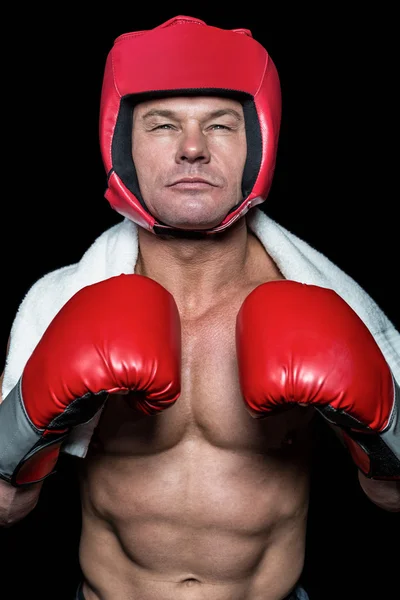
column 185, row 56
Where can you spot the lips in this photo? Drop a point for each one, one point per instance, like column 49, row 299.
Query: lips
column 191, row 183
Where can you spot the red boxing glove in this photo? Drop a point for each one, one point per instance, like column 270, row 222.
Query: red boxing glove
column 116, row 336
column 303, row 344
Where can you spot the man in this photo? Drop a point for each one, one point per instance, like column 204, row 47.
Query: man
column 179, row 358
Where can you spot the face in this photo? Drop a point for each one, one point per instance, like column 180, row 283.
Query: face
column 189, row 154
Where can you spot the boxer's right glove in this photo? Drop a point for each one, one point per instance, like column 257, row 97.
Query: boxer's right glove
column 120, row 335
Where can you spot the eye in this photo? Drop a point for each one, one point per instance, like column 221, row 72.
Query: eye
column 163, row 126
column 220, row 126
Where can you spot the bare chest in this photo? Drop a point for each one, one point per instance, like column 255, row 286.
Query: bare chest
column 210, row 407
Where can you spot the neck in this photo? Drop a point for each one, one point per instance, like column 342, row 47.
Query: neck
column 195, row 271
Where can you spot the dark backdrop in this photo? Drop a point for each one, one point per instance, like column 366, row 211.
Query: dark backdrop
column 334, row 186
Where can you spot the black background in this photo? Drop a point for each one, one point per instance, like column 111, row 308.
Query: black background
column 335, row 186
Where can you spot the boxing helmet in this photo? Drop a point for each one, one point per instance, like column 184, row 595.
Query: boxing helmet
column 185, row 56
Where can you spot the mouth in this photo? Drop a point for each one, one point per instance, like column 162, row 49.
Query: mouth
column 191, row 183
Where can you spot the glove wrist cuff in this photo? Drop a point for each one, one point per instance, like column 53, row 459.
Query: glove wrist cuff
column 27, row 454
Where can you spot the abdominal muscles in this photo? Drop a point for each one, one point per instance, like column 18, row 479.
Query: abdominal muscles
column 191, row 516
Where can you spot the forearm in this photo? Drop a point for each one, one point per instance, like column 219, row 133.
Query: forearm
column 17, row 503
column 385, row 494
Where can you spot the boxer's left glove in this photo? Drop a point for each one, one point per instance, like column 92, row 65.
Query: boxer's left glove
column 303, row 344
column 120, row 335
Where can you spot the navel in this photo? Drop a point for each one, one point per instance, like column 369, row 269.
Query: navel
column 190, row 582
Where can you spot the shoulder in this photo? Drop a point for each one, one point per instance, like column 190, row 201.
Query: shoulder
column 50, row 291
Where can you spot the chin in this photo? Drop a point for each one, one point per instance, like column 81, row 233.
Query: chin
column 188, row 222
column 192, row 211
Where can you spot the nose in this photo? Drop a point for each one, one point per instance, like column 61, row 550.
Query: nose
column 193, row 147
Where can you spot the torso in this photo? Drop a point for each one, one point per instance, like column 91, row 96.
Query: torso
column 201, row 501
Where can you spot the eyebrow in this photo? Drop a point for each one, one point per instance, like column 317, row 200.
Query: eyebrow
column 170, row 114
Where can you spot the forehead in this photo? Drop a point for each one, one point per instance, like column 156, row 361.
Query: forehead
column 188, row 104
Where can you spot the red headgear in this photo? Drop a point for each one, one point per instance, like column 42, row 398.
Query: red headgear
column 185, row 56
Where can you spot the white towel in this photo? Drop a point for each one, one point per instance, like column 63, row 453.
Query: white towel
column 115, row 251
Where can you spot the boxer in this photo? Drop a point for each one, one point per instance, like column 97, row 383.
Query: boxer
column 205, row 367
